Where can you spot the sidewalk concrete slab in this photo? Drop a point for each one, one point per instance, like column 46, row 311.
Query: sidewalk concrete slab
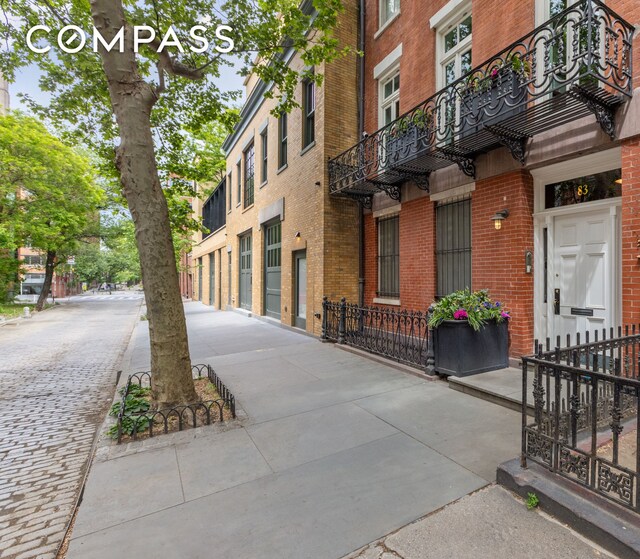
column 308, row 436
column 265, row 375
column 489, row 523
column 129, row 487
column 231, row 458
column 334, row 451
column 470, row 431
column 300, row 398
column 322, row 509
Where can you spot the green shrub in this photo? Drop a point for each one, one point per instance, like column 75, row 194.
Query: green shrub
column 476, row 308
column 136, row 405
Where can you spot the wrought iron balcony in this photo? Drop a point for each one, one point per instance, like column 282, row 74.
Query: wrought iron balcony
column 575, row 64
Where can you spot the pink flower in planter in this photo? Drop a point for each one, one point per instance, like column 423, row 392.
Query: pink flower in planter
column 505, row 315
column 460, row 314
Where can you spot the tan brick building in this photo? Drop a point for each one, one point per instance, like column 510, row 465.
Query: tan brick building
column 279, row 242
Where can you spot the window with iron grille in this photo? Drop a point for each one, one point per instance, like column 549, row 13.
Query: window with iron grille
column 213, row 214
column 282, row 140
column 264, row 137
column 308, row 112
column 453, row 246
column 239, row 182
column 389, row 257
column 249, row 175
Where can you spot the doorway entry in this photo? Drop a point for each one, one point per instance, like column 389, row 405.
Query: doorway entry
column 577, row 229
column 212, row 280
column 273, row 269
column 245, row 272
column 300, row 310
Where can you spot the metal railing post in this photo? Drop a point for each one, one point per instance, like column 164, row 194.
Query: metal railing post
column 324, row 318
column 343, row 320
column 430, row 369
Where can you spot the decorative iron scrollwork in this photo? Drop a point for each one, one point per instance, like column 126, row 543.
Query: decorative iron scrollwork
column 465, row 164
column 392, row 190
column 540, row 81
column 573, row 463
column 421, row 180
column 619, row 483
column 514, row 142
column 605, row 114
column 539, row 446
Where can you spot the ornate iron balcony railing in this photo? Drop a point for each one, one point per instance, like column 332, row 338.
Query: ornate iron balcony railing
column 575, row 64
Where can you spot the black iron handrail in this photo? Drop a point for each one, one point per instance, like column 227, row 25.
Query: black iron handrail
column 586, row 416
column 579, row 62
column 401, row 335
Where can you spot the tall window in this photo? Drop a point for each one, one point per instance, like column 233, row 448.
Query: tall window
column 264, row 137
column 213, row 214
column 389, row 257
column 388, row 9
column 389, row 99
column 239, row 182
column 282, row 140
column 309, row 113
column 249, row 174
column 229, row 191
column 453, row 246
column 456, row 49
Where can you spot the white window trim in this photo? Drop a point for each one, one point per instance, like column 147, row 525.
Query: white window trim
column 382, row 28
column 542, row 10
column 454, row 14
column 388, row 63
column 383, row 103
column 448, row 12
column 388, row 21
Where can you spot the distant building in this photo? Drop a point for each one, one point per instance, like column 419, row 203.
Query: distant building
column 277, row 242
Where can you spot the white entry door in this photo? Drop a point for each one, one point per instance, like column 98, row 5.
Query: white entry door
column 583, row 275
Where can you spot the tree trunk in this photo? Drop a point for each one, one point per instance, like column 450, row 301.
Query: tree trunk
column 49, row 267
column 132, row 100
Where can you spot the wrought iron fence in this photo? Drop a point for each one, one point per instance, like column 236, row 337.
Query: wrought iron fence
column 204, row 412
column 577, row 63
column 586, row 414
column 403, row 335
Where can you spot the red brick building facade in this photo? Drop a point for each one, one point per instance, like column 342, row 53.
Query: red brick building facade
column 572, row 195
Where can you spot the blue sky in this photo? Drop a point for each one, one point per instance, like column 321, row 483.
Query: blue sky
column 27, row 82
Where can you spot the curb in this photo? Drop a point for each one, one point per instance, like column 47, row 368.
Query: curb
column 611, row 526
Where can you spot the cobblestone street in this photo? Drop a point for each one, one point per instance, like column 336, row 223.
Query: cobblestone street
column 57, row 375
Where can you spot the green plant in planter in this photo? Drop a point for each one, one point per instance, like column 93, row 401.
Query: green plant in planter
column 481, row 81
column 474, row 307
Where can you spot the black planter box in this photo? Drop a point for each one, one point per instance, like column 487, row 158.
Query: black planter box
column 494, row 104
column 460, row 351
column 406, row 145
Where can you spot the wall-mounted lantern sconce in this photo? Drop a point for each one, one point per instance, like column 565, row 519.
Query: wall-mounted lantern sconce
column 318, row 183
column 498, row 218
column 298, row 235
